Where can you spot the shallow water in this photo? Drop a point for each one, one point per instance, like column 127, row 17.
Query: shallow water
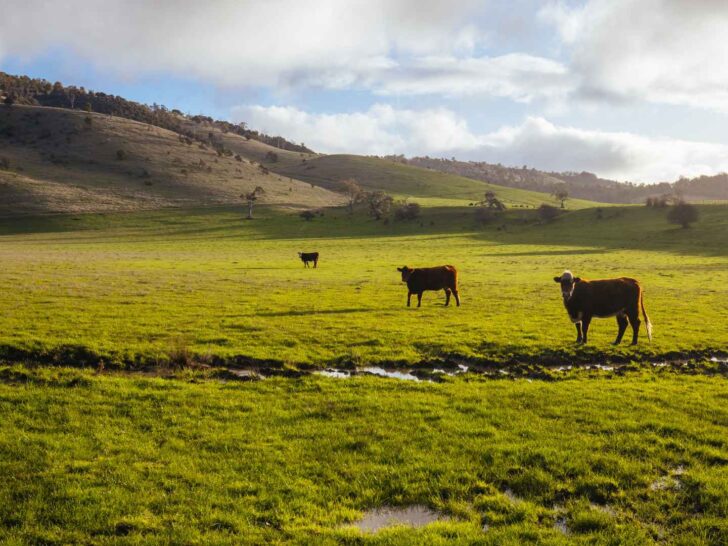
column 412, row 516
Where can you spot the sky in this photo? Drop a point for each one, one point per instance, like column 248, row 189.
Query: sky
column 628, row 89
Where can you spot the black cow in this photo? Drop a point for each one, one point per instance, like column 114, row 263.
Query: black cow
column 430, row 278
column 621, row 298
column 309, row 257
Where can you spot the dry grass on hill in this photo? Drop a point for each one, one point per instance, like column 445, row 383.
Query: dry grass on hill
column 54, row 160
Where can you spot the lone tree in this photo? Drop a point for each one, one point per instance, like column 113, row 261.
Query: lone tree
column 493, row 202
column 683, row 214
column 308, row 215
column 251, row 197
column 561, row 193
column 379, row 204
column 353, row 192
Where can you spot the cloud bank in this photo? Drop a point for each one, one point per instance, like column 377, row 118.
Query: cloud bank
column 383, row 130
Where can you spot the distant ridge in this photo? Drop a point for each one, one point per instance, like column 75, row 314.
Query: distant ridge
column 582, row 185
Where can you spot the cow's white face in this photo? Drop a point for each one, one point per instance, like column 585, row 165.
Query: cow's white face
column 406, row 272
column 567, row 282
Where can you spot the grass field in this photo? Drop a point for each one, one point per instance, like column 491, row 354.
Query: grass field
column 137, row 287
column 105, row 459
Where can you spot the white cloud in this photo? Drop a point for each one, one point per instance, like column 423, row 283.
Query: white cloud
column 537, row 142
column 231, row 42
column 661, row 51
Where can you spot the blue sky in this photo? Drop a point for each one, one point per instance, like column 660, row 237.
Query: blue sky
column 629, row 89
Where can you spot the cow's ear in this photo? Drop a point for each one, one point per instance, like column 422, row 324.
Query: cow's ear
column 400, row 269
column 557, row 279
column 578, row 279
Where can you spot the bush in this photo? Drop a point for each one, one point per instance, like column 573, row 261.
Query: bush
column 272, row 157
column 485, row 215
column 308, row 215
column 121, row 155
column 548, row 212
column 683, row 214
column 4, row 163
column 407, row 211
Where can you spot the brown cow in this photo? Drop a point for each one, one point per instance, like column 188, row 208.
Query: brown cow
column 621, row 298
column 430, row 278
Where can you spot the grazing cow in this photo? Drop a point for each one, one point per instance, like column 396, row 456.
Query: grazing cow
column 621, row 298
column 430, row 278
column 309, row 257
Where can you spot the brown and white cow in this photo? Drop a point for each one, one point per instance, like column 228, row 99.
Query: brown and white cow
column 621, row 298
column 444, row 277
column 309, row 257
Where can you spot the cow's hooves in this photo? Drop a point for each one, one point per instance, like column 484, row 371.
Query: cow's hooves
column 615, row 343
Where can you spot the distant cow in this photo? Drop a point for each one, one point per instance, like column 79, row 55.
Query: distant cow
column 621, row 298
column 309, row 257
column 430, row 278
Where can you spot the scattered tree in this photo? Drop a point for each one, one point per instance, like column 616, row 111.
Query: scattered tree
column 308, row 215
column 379, row 204
column 547, row 212
column 251, row 197
column 683, row 214
column 272, row 157
column 353, row 192
column 561, row 193
column 121, row 155
column 407, row 211
column 493, row 202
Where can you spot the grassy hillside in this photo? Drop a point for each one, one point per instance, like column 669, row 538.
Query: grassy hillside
column 104, row 459
column 69, row 161
column 408, row 181
column 138, row 286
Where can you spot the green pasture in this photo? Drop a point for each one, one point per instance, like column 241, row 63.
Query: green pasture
column 142, row 285
column 110, row 459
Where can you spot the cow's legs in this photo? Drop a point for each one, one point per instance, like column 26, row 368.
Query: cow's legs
column 585, row 321
column 305, row 264
column 409, row 295
column 457, row 296
column 419, row 299
column 634, row 320
column 579, row 337
column 447, row 297
column 622, row 324
column 315, row 264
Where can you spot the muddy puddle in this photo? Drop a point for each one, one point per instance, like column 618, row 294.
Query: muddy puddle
column 436, row 374
column 411, row 516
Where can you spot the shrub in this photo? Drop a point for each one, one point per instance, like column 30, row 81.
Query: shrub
column 683, row 214
column 121, row 155
column 308, row 215
column 407, row 211
column 548, row 212
column 485, row 215
column 4, row 163
column 272, row 157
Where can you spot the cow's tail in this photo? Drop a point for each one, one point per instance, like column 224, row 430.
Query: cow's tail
column 648, row 324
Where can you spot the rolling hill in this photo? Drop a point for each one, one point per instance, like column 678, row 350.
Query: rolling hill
column 60, row 160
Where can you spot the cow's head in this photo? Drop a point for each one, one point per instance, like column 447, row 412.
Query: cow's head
column 567, row 282
column 300, row 254
column 406, row 272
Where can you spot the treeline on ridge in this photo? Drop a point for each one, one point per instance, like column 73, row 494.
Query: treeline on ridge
column 581, row 185
column 40, row 92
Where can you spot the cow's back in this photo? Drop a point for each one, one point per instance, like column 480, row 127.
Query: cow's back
column 432, row 278
column 604, row 297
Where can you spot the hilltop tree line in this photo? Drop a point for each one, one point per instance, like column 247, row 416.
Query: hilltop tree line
column 580, row 185
column 40, row 92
